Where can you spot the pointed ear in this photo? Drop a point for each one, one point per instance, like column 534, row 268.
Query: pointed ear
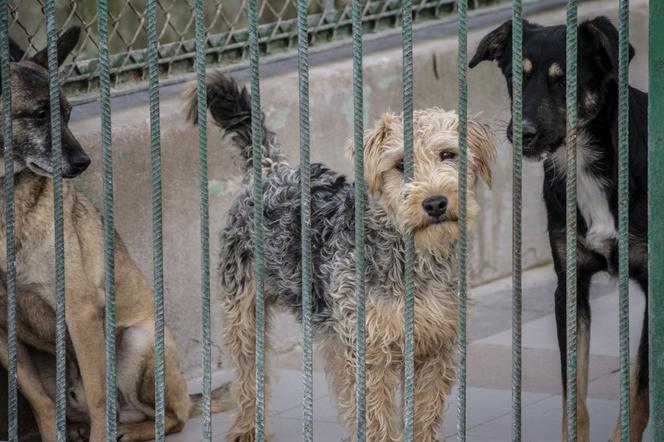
column 374, row 146
column 66, row 44
column 493, row 44
column 15, row 51
column 601, row 36
column 482, row 148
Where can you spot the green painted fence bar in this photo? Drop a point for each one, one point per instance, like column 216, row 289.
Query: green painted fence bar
column 256, row 139
column 56, row 158
column 623, row 214
column 571, row 220
column 157, row 228
column 8, row 154
column 360, row 200
column 206, row 356
column 517, row 164
column 305, row 225
column 462, row 66
column 409, row 348
column 109, row 227
column 655, row 216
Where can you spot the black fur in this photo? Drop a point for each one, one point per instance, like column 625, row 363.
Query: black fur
column 544, row 134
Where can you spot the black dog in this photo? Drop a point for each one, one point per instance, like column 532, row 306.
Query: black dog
column 544, row 131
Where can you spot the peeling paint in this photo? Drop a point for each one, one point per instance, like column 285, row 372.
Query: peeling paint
column 385, row 82
column 278, row 117
column 227, row 187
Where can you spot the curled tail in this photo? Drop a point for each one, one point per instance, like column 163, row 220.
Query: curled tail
column 230, row 106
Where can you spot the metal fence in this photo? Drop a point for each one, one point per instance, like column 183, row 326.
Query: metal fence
column 303, row 29
column 226, row 38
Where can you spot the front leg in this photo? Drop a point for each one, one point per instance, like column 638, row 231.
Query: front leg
column 31, row 387
column 85, row 324
column 380, row 386
column 434, row 378
column 583, row 350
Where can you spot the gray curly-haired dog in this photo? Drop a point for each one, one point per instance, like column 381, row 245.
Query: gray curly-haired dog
column 426, row 206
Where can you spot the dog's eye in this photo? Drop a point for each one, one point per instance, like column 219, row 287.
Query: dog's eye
column 446, row 155
column 399, row 166
column 41, row 114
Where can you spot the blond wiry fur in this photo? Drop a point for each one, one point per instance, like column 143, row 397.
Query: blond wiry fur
column 393, row 208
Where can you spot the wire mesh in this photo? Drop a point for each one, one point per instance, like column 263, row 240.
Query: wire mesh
column 225, row 27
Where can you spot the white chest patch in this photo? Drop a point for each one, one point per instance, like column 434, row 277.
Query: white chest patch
column 591, row 196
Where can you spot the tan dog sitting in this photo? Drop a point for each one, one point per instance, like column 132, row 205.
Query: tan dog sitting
column 84, row 274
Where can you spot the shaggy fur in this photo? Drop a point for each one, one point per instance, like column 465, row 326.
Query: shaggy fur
column 597, row 181
column 393, row 208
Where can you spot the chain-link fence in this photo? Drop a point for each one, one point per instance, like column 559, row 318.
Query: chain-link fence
column 226, row 31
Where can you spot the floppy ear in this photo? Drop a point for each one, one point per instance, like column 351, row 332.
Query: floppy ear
column 374, row 146
column 493, row 44
column 66, row 44
column 602, row 37
column 481, row 145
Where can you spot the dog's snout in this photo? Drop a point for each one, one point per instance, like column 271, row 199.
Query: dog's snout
column 80, row 162
column 435, row 206
column 529, row 132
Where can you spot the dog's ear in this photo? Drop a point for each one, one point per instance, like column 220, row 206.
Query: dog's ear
column 15, row 51
column 493, row 44
column 602, row 37
column 374, row 146
column 66, row 44
column 482, row 147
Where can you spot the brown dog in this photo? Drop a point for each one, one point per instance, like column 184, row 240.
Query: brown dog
column 84, row 274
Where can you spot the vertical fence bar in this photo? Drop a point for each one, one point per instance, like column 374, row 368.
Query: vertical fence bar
column 305, row 222
column 360, row 199
column 8, row 146
column 256, row 137
column 56, row 158
column 623, row 214
column 109, row 228
column 656, row 215
column 462, row 7
column 204, row 218
column 517, row 160
column 409, row 356
column 571, row 219
column 157, row 230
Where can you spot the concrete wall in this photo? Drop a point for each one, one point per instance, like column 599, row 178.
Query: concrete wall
column 331, row 125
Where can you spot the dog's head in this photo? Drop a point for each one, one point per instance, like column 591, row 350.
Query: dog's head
column 544, row 86
column 428, row 205
column 31, row 113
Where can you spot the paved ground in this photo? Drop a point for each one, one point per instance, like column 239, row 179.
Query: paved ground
column 489, row 375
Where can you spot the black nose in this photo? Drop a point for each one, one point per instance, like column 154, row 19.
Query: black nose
column 80, row 162
column 529, row 132
column 435, row 205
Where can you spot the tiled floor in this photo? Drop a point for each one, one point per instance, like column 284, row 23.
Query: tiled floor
column 489, row 376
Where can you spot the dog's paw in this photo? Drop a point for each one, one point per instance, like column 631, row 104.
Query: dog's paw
column 78, row 432
column 127, row 433
column 233, row 436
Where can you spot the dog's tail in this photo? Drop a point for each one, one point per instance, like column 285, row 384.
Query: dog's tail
column 220, row 401
column 230, row 106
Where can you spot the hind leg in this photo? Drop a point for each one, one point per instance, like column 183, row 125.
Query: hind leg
column 638, row 383
column 240, row 337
